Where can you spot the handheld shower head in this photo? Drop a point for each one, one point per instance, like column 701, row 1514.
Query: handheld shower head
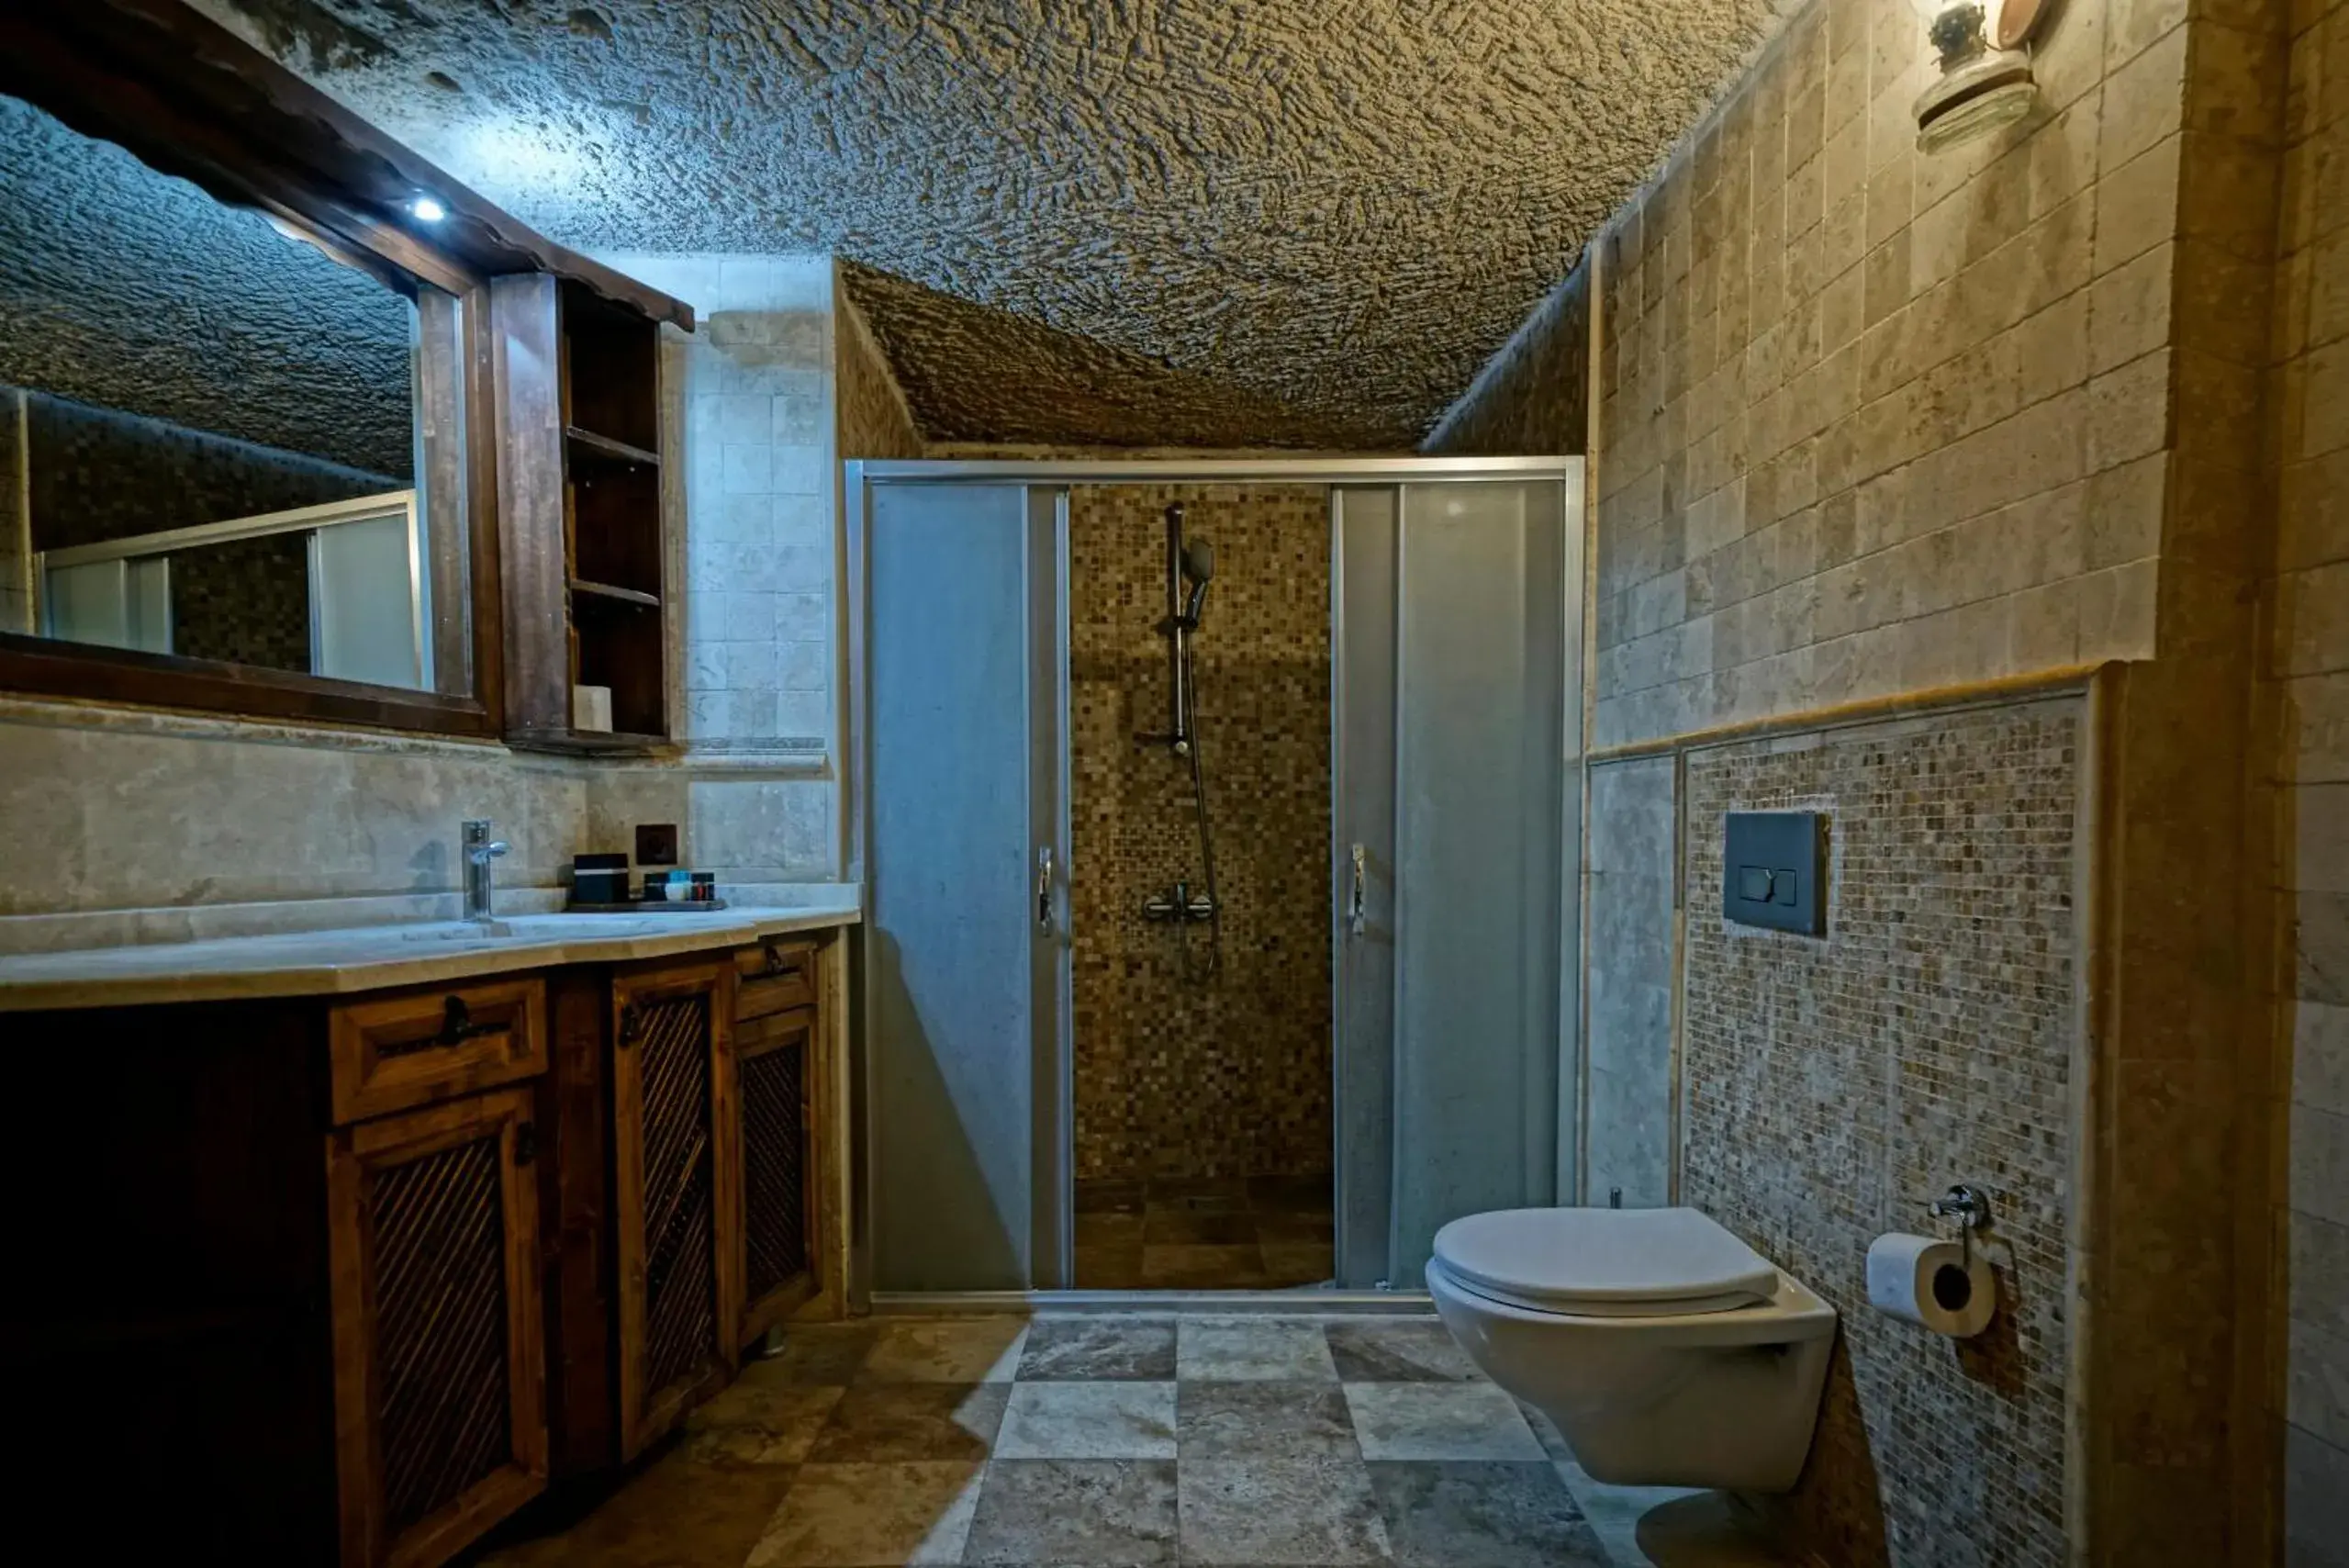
column 1198, row 566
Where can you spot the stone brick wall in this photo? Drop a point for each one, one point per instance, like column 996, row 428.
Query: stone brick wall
column 1175, row 1076
column 1833, row 1084
column 2308, row 664
column 1873, row 421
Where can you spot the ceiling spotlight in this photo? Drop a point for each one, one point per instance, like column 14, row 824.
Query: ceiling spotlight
column 427, row 210
column 1986, row 82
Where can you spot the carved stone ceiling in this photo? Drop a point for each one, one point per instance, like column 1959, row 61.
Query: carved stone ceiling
column 1343, row 207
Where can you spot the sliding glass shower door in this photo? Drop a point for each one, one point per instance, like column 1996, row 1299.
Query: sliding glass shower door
column 960, row 624
column 1455, row 639
column 1458, row 627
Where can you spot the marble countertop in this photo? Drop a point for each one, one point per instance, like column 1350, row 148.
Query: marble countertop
column 337, row 963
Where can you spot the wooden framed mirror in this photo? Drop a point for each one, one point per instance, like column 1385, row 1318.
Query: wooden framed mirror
column 248, row 426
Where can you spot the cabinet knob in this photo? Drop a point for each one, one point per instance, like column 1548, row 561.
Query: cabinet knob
column 457, row 1025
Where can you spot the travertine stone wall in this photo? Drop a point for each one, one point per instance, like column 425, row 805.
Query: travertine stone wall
column 2307, row 667
column 1631, row 865
column 1875, row 424
column 1832, row 1084
column 1232, row 1076
column 142, row 818
column 1873, row 421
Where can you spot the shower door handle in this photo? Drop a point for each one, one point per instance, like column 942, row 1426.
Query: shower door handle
column 1357, row 911
column 1044, row 889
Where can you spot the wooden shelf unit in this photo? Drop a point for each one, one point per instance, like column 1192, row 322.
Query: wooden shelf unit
column 584, row 543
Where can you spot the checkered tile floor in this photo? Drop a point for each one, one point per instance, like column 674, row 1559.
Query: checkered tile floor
column 1086, row 1442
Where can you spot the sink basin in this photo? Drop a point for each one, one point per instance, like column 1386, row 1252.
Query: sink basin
column 553, row 927
column 460, row 931
column 546, row 928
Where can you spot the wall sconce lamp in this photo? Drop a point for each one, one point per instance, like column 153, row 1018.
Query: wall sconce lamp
column 1986, row 82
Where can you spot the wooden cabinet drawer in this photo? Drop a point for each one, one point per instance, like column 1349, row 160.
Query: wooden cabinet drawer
column 409, row 1049
column 774, row 976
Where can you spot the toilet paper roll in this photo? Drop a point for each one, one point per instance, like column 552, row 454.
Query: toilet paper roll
column 1924, row 1281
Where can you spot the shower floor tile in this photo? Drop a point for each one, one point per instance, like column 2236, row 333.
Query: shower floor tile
column 1204, row 1233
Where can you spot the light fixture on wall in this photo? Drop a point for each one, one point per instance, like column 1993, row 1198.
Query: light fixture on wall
column 427, row 210
column 1986, row 81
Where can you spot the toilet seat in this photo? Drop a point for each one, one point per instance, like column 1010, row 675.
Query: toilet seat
column 1604, row 1262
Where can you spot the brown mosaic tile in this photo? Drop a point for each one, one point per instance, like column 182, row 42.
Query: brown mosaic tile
column 1227, row 1078
column 1831, row 1086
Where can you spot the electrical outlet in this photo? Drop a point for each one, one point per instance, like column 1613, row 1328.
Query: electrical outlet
column 657, row 843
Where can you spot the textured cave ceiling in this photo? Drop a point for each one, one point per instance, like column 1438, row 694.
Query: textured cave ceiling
column 1340, row 208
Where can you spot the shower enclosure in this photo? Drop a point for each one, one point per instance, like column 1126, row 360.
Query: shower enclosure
column 1439, row 861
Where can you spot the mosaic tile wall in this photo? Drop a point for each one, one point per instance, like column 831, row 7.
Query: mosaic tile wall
column 1832, row 1086
column 247, row 601
column 100, row 473
column 1230, row 1077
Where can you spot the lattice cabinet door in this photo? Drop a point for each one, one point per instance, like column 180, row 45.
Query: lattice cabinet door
column 774, row 1066
column 439, row 1360
column 673, row 1169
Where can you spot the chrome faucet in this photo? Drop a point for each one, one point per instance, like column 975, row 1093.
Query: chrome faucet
column 479, row 884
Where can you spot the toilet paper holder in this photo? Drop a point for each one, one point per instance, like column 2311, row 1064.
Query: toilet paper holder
column 1970, row 1206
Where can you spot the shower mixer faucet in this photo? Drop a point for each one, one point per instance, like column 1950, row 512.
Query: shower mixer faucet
column 1191, row 566
column 1179, row 904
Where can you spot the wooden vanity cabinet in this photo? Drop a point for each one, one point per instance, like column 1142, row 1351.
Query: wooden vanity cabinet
column 301, row 1325
column 432, row 1242
column 673, row 1167
column 350, row 1280
column 439, row 1365
column 682, row 1196
column 779, row 1091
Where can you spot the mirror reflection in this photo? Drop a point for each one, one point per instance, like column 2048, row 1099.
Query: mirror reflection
column 208, row 434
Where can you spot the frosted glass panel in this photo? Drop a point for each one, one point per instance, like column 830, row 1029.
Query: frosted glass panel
column 1481, row 671
column 365, row 613
column 148, row 589
column 89, row 604
column 951, row 1004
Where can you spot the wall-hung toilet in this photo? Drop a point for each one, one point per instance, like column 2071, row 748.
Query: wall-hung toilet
column 1669, row 1352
